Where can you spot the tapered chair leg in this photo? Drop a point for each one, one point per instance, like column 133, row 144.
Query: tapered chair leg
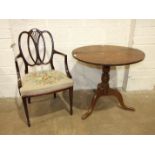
column 26, row 111
column 71, row 99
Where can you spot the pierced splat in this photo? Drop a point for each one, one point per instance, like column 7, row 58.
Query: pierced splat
column 35, row 35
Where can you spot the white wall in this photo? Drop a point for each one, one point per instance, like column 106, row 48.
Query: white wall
column 70, row 34
column 142, row 75
column 7, row 68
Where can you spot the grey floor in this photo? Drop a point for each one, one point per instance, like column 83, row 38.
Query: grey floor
column 51, row 116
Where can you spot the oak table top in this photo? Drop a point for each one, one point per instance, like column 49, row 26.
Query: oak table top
column 108, row 55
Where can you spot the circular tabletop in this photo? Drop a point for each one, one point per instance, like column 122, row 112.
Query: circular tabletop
column 108, row 55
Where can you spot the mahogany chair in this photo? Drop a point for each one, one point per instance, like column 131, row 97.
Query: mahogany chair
column 33, row 51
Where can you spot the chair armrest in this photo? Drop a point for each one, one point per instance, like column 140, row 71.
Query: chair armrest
column 18, row 72
column 65, row 62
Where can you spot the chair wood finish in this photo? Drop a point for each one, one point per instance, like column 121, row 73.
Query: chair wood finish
column 107, row 56
column 35, row 36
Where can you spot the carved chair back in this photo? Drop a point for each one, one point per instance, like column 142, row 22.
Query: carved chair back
column 36, row 48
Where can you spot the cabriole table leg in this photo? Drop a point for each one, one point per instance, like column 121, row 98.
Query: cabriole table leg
column 118, row 95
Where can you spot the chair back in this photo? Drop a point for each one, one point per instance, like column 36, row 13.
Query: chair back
column 36, row 47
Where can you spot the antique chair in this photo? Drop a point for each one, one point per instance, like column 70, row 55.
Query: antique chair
column 33, row 51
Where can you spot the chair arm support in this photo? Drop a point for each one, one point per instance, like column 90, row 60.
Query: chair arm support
column 65, row 62
column 17, row 70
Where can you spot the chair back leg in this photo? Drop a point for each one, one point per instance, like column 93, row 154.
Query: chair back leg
column 24, row 99
column 29, row 100
column 71, row 99
column 55, row 95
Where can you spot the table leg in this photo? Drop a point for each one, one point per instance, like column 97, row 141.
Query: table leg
column 118, row 95
column 91, row 107
column 104, row 90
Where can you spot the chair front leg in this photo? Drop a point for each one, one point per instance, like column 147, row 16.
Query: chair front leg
column 71, row 99
column 24, row 99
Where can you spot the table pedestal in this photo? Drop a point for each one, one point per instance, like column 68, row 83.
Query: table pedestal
column 104, row 90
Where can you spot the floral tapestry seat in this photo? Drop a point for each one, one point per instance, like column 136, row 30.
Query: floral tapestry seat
column 43, row 82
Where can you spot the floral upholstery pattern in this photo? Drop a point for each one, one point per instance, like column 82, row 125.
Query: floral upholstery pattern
column 43, row 82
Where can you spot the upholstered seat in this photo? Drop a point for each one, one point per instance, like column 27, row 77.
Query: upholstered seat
column 43, row 82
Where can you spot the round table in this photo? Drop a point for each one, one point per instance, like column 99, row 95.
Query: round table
column 107, row 56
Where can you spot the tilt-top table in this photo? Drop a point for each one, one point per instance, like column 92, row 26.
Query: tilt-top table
column 107, row 56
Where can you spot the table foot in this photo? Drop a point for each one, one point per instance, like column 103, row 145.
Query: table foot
column 84, row 116
column 118, row 95
column 91, row 107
